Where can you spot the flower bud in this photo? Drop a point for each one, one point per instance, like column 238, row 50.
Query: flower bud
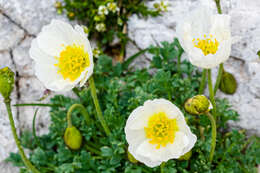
column 197, row 105
column 186, row 156
column 258, row 53
column 6, row 82
column 72, row 138
column 228, row 83
column 131, row 158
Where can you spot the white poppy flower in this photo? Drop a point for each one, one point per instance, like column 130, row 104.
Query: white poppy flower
column 157, row 132
column 205, row 37
column 63, row 56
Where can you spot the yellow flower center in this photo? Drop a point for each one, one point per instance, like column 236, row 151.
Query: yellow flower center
column 72, row 62
column 161, row 130
column 207, row 45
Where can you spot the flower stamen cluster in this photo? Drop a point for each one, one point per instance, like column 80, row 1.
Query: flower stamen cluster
column 207, row 45
column 72, row 62
column 161, row 130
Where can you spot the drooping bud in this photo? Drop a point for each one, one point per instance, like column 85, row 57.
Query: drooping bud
column 131, row 158
column 228, row 83
column 73, row 138
column 6, row 82
column 197, row 105
column 186, row 156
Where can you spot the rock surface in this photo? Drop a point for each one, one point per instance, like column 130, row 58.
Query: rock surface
column 21, row 20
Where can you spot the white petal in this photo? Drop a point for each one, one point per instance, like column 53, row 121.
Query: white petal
column 55, row 36
column 39, row 56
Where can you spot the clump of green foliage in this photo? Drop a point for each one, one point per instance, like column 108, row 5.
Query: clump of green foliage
column 121, row 90
column 107, row 19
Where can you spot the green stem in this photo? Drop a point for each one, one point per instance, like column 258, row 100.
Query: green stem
column 203, row 81
column 82, row 110
column 218, row 6
column 213, row 136
column 211, row 94
column 98, row 109
column 27, row 163
column 220, row 72
column 179, row 62
column 162, row 166
column 93, row 150
column 34, row 130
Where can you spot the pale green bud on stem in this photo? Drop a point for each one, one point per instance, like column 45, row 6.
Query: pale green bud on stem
column 197, row 105
column 73, row 138
column 6, row 82
column 228, row 83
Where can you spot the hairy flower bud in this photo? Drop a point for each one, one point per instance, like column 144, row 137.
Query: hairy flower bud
column 258, row 53
column 73, row 138
column 6, row 82
column 197, row 105
column 131, row 158
column 186, row 156
column 228, row 83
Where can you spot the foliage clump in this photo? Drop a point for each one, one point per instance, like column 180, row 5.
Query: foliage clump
column 107, row 19
column 121, row 90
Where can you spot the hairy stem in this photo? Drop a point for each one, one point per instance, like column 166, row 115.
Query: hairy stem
column 27, row 163
column 220, row 72
column 221, row 68
column 98, row 109
column 213, row 136
column 203, row 81
column 162, row 167
column 82, row 110
column 211, row 94
column 218, row 6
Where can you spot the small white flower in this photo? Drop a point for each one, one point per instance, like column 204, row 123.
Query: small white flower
column 112, row 7
column 157, row 132
column 162, row 6
column 205, row 37
column 96, row 52
column 63, row 56
column 101, row 27
column 102, row 10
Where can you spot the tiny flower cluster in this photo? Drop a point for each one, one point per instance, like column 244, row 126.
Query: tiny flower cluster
column 162, row 6
column 103, row 11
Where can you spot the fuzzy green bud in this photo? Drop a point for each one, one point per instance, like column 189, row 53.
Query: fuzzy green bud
column 73, row 138
column 6, row 82
column 197, row 105
column 258, row 53
column 228, row 83
column 131, row 158
column 186, row 156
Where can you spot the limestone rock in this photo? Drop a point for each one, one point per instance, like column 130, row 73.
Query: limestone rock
column 24, row 64
column 30, row 14
column 10, row 34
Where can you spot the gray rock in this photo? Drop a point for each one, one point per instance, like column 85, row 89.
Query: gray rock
column 24, row 64
column 8, row 168
column 31, row 15
column 10, row 34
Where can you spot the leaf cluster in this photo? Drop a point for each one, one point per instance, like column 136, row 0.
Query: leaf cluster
column 87, row 12
column 120, row 91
